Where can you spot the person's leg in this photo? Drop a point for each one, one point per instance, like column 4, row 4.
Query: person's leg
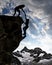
column 18, row 12
column 14, row 12
column 24, row 13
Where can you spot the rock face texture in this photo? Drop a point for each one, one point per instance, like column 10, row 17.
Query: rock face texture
column 10, row 36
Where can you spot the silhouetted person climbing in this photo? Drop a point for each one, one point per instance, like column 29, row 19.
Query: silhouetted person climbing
column 18, row 8
column 25, row 28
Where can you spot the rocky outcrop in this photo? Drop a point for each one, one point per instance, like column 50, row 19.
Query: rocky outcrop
column 10, row 36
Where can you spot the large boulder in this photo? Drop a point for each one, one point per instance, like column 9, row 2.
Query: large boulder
column 10, row 36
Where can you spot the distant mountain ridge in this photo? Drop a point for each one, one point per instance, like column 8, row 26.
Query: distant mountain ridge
column 25, row 49
column 33, row 55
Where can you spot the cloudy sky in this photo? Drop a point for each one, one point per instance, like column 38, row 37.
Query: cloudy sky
column 39, row 33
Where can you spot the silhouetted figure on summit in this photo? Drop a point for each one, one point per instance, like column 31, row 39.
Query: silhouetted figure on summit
column 18, row 8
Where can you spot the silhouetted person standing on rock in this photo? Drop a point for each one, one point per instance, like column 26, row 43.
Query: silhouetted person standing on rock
column 11, row 36
column 18, row 8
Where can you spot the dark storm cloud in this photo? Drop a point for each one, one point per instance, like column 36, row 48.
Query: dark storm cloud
column 46, row 5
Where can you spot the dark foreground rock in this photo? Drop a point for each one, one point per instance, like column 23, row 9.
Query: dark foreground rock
column 10, row 36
